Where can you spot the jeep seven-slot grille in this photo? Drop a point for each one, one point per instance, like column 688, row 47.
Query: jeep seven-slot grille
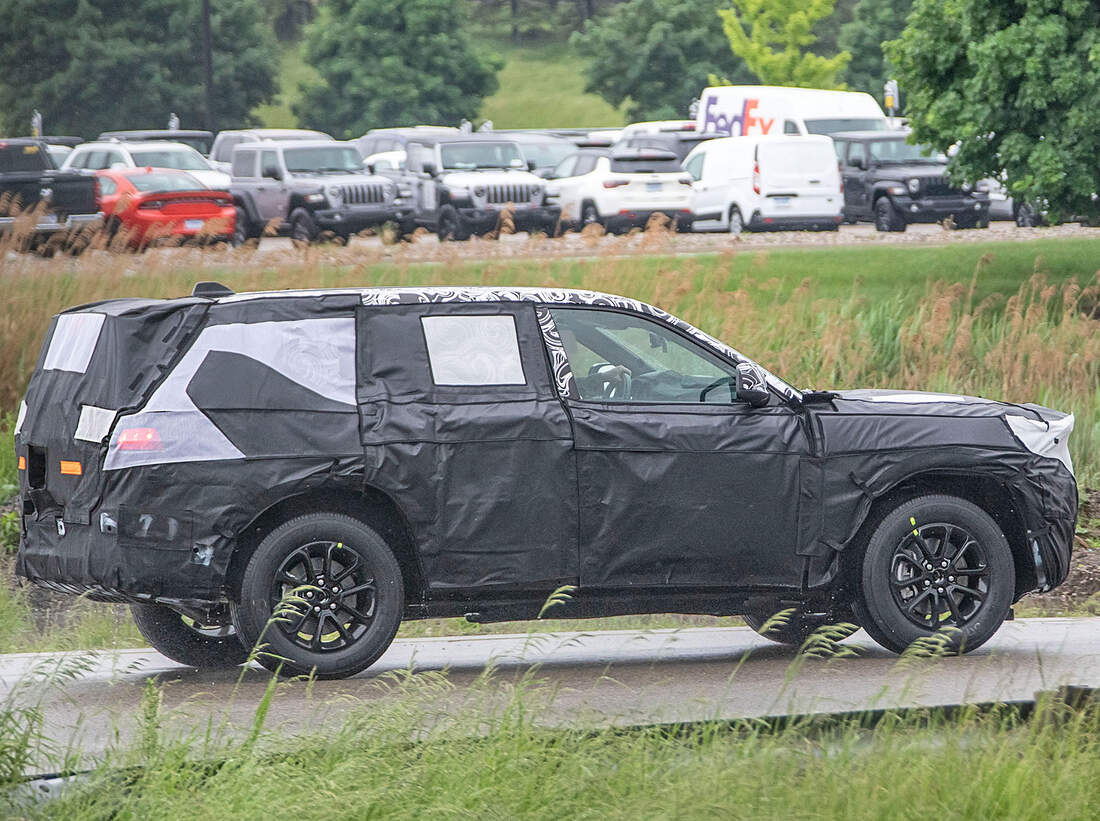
column 938, row 187
column 509, row 192
column 364, row 194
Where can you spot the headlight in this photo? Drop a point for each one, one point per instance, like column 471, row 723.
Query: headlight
column 536, row 192
column 479, row 191
column 404, row 193
column 315, row 199
column 896, row 190
column 914, row 185
column 967, row 188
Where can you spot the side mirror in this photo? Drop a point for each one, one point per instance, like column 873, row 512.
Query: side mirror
column 272, row 172
column 531, row 166
column 856, row 162
column 428, row 169
column 752, row 385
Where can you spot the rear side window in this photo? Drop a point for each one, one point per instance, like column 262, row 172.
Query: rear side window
column 107, row 186
column 244, row 164
column 566, row 166
column 790, row 127
column 635, row 165
column 473, row 350
column 73, row 342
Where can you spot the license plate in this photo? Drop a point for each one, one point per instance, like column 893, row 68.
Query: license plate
column 192, row 225
column 654, row 186
column 782, row 202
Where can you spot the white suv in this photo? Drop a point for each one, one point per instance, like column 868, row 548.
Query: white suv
column 621, row 189
column 91, row 157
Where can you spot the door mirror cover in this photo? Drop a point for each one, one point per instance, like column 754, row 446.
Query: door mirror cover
column 856, row 162
column 752, row 385
column 428, row 169
column 272, row 173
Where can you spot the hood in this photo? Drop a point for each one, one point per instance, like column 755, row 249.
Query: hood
column 902, row 172
column 217, row 180
column 325, row 180
column 876, row 419
column 466, row 179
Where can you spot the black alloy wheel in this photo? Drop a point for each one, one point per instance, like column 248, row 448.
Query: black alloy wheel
column 932, row 563
column 321, row 594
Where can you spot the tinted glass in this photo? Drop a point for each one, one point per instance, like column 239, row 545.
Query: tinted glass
column 899, row 151
column 185, row 159
column 644, row 166
column 694, row 166
column 244, row 164
column 586, row 164
column 165, row 182
column 22, row 158
column 321, row 159
column 790, row 127
column 548, row 153
column 107, row 186
column 269, row 163
column 627, row 358
column 459, row 156
column 225, row 148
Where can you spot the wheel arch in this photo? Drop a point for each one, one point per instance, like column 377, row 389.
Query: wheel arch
column 986, row 492
column 371, row 506
column 244, row 200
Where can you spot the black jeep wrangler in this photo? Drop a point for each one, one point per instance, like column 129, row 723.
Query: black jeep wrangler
column 891, row 182
column 310, row 190
column 347, row 459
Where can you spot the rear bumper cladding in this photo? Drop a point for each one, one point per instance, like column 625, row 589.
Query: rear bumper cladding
column 73, row 222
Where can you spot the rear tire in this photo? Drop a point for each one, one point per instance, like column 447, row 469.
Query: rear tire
column 933, row 562
column 242, row 229
column 794, row 633
column 350, row 593
column 590, row 215
column 206, row 647
column 736, row 222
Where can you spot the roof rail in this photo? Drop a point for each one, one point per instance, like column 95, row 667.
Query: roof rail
column 211, row 290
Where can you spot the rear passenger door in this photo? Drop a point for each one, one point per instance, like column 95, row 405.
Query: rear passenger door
column 461, row 426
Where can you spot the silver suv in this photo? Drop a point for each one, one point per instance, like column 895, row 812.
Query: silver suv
column 463, row 184
column 309, row 189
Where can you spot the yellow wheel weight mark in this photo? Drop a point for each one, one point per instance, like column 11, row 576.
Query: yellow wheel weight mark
column 913, row 522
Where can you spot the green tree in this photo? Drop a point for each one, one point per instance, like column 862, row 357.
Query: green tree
column 658, row 54
column 773, row 46
column 391, row 63
column 97, row 65
column 873, row 23
column 1015, row 84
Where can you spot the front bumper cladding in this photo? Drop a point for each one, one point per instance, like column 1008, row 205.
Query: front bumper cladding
column 353, row 219
column 935, row 209
column 481, row 219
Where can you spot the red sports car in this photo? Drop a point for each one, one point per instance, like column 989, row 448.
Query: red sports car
column 149, row 205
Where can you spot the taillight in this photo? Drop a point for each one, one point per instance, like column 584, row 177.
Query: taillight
column 615, row 183
column 756, row 178
column 154, row 204
column 139, row 439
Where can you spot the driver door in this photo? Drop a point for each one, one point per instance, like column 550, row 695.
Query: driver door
column 680, row 484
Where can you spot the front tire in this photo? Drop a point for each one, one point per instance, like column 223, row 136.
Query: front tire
column 204, row 646
column 737, row 222
column 303, row 228
column 887, row 217
column 345, row 594
column 933, row 562
column 450, row 225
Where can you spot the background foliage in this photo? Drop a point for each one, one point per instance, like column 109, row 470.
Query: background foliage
column 96, row 65
column 393, row 63
column 1015, row 83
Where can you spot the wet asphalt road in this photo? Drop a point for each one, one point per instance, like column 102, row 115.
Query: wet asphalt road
column 617, row 677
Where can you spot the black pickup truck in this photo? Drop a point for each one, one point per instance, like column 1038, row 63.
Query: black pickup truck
column 41, row 206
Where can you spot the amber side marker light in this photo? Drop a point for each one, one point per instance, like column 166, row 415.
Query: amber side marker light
column 22, row 462
column 70, row 468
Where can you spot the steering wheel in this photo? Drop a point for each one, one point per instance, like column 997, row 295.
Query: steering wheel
column 723, row 380
column 613, row 389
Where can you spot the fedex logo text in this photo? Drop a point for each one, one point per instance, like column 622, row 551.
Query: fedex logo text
column 737, row 125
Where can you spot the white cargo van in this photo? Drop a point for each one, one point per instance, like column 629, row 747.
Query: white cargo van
column 737, row 111
column 765, row 183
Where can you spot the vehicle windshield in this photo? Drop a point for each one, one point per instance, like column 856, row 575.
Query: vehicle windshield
column 899, row 151
column 164, row 182
column 547, row 154
column 185, row 159
column 327, row 159
column 468, row 156
column 833, row 126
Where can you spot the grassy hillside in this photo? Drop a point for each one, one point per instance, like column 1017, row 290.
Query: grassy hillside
column 293, row 71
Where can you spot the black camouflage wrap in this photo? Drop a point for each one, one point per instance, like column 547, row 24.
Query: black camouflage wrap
column 501, row 488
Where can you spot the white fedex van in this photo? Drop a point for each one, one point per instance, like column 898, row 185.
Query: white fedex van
column 765, row 183
column 738, row 111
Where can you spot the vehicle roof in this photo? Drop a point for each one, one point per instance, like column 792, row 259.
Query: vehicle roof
column 641, row 154
column 159, row 134
column 459, row 137
column 131, row 145
column 269, row 145
column 870, row 135
column 58, row 139
column 21, row 140
column 528, row 137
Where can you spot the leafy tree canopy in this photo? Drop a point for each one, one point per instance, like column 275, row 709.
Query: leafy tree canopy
column 392, row 63
column 658, row 54
column 99, row 65
column 873, row 23
column 771, row 37
column 1015, row 83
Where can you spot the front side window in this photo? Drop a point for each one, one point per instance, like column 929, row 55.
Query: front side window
column 694, row 166
column 621, row 357
column 244, row 164
column 473, row 350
